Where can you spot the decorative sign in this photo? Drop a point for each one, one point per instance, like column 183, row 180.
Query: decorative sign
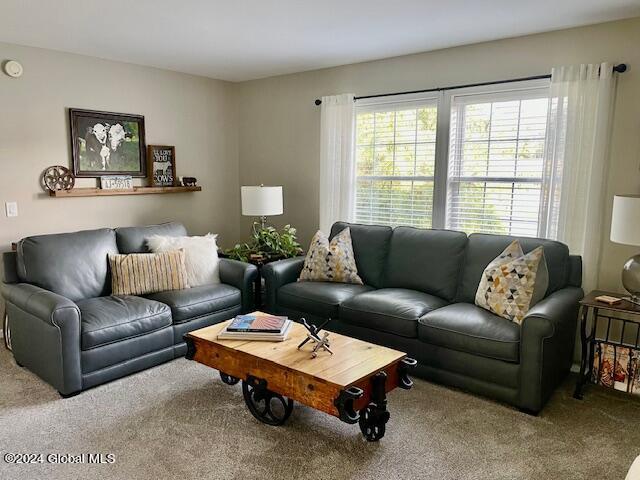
column 162, row 165
column 116, row 182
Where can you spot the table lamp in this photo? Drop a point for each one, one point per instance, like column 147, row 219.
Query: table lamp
column 625, row 229
column 261, row 201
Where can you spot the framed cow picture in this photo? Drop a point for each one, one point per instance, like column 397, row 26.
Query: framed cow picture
column 107, row 143
column 161, row 165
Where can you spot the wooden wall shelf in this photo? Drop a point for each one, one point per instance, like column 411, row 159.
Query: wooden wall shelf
column 98, row 192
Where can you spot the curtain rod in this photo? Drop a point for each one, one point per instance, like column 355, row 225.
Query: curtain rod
column 620, row 68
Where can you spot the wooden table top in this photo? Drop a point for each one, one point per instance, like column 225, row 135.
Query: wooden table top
column 352, row 360
column 623, row 306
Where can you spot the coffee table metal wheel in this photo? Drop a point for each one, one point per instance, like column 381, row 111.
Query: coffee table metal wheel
column 228, row 379
column 267, row 406
column 373, row 420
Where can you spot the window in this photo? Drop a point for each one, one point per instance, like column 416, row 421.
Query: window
column 496, row 148
column 469, row 159
column 395, row 158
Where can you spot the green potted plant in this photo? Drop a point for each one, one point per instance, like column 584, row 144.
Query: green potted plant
column 267, row 244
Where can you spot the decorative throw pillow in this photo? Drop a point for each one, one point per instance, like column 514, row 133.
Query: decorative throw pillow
column 331, row 261
column 142, row 273
column 201, row 256
column 513, row 282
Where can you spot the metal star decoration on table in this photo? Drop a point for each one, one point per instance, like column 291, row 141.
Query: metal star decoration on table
column 320, row 343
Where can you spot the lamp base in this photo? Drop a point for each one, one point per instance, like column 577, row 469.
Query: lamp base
column 632, row 299
column 631, row 278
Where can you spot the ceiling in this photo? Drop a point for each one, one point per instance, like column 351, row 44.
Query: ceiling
column 240, row 40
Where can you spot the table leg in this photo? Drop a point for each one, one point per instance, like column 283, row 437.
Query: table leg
column 6, row 333
column 582, row 375
column 257, row 288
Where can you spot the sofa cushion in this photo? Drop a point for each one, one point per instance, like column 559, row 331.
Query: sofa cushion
column 370, row 249
column 330, row 261
column 483, row 248
column 391, row 310
column 468, row 328
column 197, row 301
column 426, row 260
column 73, row 265
column 134, row 239
column 141, row 273
column 318, row 298
column 513, row 282
column 111, row 319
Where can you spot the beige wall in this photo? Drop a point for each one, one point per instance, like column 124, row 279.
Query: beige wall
column 280, row 126
column 197, row 115
column 263, row 131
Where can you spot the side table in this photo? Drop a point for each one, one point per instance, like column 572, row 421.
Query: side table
column 600, row 323
column 259, row 261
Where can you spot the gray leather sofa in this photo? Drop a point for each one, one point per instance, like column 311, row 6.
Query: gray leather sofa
column 419, row 296
column 65, row 326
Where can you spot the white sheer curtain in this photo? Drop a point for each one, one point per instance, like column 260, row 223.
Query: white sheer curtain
column 576, row 153
column 337, row 164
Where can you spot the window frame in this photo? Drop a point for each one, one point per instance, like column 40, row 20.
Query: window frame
column 377, row 104
column 444, row 99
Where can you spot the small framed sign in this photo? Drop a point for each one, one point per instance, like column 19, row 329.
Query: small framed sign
column 161, row 165
column 116, row 182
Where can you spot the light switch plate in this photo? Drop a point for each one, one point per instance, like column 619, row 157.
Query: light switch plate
column 11, row 208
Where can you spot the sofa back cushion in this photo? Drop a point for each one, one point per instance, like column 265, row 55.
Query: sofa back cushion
column 134, row 239
column 74, row 265
column 426, row 260
column 483, row 248
column 370, row 249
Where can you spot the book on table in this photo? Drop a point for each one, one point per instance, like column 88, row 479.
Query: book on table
column 257, row 322
column 261, row 327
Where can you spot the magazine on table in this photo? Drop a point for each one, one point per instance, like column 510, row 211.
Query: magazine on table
column 258, row 323
column 617, row 367
column 278, row 336
column 634, row 381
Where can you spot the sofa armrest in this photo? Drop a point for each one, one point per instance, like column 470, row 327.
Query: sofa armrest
column 45, row 334
column 43, row 304
column 10, row 267
column 547, row 345
column 242, row 276
column 277, row 274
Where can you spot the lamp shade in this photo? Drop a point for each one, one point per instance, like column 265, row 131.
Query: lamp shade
column 258, row 201
column 625, row 220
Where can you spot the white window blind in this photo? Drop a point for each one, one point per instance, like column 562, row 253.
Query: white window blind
column 495, row 166
column 395, row 158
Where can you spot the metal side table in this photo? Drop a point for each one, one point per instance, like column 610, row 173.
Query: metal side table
column 602, row 324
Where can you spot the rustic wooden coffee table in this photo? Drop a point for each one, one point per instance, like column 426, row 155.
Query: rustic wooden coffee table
column 351, row 384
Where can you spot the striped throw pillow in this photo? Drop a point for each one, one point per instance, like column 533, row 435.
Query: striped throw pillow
column 141, row 273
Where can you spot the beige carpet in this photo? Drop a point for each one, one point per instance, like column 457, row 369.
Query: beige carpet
column 180, row 421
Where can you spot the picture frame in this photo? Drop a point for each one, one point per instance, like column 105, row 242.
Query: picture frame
column 161, row 165
column 107, row 143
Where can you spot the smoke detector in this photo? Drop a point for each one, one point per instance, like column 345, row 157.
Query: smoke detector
column 13, row 68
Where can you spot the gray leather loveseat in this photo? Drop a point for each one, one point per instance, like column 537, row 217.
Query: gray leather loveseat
column 66, row 328
column 419, row 296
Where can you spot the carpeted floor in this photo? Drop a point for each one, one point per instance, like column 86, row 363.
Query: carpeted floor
column 180, row 421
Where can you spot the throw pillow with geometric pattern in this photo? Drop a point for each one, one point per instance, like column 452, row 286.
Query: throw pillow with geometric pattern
column 330, row 261
column 513, row 282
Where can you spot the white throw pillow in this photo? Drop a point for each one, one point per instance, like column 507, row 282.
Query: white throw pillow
column 201, row 256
